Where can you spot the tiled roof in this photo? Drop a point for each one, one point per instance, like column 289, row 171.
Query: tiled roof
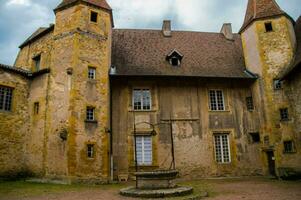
column 23, row 72
column 98, row 3
column 37, row 34
column 143, row 53
column 259, row 9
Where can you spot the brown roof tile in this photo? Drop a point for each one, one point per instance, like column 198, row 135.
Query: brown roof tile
column 258, row 9
column 143, row 52
column 98, row 3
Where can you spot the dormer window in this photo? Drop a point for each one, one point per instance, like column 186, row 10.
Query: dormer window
column 174, row 58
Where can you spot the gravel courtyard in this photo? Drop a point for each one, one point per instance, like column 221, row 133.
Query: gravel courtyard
column 218, row 189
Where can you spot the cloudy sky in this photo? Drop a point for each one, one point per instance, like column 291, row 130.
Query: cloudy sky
column 19, row 18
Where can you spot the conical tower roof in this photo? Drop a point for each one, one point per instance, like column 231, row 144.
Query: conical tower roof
column 259, row 9
column 98, row 3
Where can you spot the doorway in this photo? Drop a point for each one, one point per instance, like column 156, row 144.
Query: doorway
column 271, row 163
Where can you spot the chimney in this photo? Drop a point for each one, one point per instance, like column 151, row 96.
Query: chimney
column 227, row 31
column 166, row 28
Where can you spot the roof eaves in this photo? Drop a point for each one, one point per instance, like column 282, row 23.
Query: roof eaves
column 44, row 32
column 23, row 72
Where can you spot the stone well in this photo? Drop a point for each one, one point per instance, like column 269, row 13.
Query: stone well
column 156, row 184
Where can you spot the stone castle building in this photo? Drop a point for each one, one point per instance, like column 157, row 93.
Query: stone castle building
column 81, row 91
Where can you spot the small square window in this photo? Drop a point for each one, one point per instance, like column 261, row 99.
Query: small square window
column 277, row 84
column 90, row 116
column 93, row 16
column 250, row 105
column 36, row 108
column 284, row 114
column 255, row 137
column 268, row 27
column 288, row 147
column 37, row 62
column 90, row 151
column 91, row 73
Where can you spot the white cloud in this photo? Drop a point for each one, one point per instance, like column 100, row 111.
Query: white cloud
column 18, row 2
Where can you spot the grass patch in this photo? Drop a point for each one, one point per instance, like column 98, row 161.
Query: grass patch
column 15, row 189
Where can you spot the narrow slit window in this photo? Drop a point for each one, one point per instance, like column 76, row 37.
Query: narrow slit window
column 6, row 95
column 93, row 16
column 90, row 151
column 277, row 84
column 268, row 27
column 216, row 98
column 90, row 116
column 222, row 148
column 36, row 108
column 37, row 62
column 250, row 105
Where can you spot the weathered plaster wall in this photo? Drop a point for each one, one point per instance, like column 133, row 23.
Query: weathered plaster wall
column 194, row 125
column 13, row 126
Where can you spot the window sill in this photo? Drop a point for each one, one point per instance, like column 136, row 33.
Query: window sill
column 6, row 112
column 91, row 121
column 288, row 153
column 219, row 111
column 142, row 111
column 92, row 81
column 285, row 120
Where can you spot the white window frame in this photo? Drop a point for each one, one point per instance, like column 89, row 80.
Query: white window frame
column 220, row 140
column 91, row 73
column 216, row 100
column 90, row 150
column 143, row 161
column 142, row 103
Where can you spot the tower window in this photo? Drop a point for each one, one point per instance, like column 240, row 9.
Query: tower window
column 90, row 150
column 93, row 16
column 6, row 94
column 277, row 84
column 36, row 108
column 91, row 73
column 90, row 115
column 250, row 105
column 37, row 62
column 268, row 27
column 284, row 114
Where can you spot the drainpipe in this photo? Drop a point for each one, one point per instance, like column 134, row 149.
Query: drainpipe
column 111, row 132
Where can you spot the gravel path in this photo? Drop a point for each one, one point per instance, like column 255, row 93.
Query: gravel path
column 229, row 189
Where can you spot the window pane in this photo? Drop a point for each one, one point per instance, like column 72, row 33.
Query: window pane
column 90, row 114
column 144, row 150
column 91, row 73
column 141, row 99
column 213, row 103
column 5, row 98
column 220, row 100
column 222, row 149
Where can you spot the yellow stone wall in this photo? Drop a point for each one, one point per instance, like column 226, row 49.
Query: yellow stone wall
column 13, row 129
column 269, row 54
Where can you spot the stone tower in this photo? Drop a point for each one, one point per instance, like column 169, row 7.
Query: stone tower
column 269, row 44
column 78, row 96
